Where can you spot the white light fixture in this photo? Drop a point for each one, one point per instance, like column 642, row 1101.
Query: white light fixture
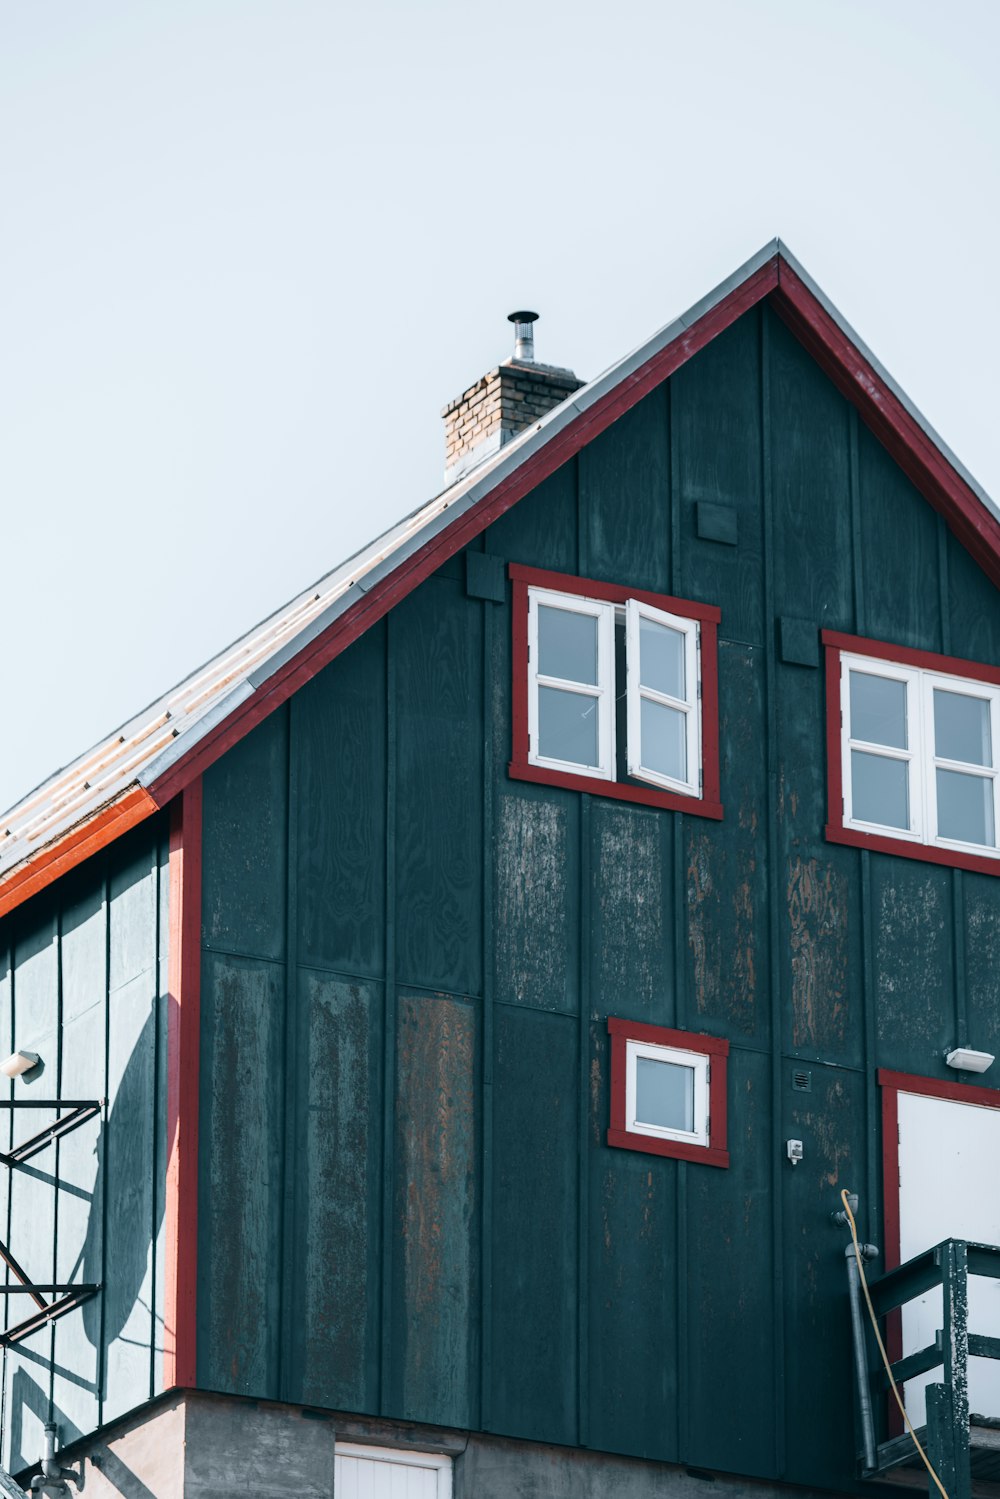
column 23, row 1061
column 966, row 1060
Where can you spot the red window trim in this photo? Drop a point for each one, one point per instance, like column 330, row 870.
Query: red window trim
column 707, row 615
column 712, row 1154
column 835, row 644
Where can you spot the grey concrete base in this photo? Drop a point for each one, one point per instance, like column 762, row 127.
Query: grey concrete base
column 190, row 1445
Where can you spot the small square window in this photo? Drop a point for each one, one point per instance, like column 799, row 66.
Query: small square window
column 913, row 753
column 668, row 1092
column 615, row 691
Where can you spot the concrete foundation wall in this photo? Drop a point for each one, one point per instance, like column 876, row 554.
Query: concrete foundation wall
column 191, row 1446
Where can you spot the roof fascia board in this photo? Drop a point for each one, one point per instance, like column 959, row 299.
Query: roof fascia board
column 48, row 865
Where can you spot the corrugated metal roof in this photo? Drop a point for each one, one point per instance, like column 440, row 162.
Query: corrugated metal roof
column 153, row 741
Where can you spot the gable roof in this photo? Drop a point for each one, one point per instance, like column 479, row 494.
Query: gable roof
column 144, row 764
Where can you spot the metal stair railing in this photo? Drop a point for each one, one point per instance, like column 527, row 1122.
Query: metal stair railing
column 946, row 1434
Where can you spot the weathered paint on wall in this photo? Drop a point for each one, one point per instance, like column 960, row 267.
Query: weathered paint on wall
column 409, row 961
column 83, row 982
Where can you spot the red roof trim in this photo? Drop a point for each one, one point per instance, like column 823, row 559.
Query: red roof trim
column 183, row 1064
column 820, row 334
column 51, row 863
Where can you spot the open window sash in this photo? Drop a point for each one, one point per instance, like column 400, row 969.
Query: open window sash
column 662, row 690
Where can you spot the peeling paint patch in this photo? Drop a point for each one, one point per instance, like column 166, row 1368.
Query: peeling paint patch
column 628, row 891
column 532, row 917
column 436, row 1199
column 817, row 916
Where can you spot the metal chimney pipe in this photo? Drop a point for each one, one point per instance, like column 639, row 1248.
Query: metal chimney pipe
column 524, row 335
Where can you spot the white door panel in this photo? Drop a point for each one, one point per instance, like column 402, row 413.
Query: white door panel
column 389, row 1473
column 949, row 1188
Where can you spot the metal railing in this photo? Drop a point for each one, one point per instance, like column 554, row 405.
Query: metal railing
column 946, row 1434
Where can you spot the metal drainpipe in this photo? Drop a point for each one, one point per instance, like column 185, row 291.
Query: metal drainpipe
column 53, row 1478
column 868, row 1251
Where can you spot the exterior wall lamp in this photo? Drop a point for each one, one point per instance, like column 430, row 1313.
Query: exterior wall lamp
column 964, row 1059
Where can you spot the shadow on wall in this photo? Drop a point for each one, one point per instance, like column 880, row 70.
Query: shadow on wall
column 125, row 1214
column 116, row 1250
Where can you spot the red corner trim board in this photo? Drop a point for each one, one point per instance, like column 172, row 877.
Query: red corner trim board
column 819, row 333
column 181, row 1209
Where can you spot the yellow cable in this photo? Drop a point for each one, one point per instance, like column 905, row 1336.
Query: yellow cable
column 881, row 1347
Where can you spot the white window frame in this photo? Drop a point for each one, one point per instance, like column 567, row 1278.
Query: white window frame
column 921, row 753
column 635, row 612
column 602, row 692
column 700, row 1064
column 606, row 691
column 399, row 1457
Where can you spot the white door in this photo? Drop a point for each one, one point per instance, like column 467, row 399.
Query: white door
column 949, row 1188
column 388, row 1473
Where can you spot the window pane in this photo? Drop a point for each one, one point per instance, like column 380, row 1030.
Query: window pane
column 962, row 728
column 878, row 711
column 965, row 807
column 664, row 740
column 567, row 645
column 664, row 1094
column 661, row 658
column 567, row 726
column 880, row 790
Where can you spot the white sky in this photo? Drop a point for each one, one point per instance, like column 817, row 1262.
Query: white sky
column 249, row 249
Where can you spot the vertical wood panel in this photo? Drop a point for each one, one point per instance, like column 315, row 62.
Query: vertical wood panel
column 27, row 1381
column 160, row 1134
column 730, row 1267
column 240, row 1196
column 902, row 603
column 624, row 498
column 436, row 1289
column 727, row 869
column 536, row 872
column 439, row 788
column 913, row 957
column 245, row 819
column 810, row 481
column 830, row 1122
column 541, row 530
column 339, row 745
column 632, row 1297
column 129, row 1153
column 818, row 900
column 533, row 1379
column 331, row 1271
column 982, row 944
column 631, row 939
column 80, row 1257
column 974, row 612
column 715, row 416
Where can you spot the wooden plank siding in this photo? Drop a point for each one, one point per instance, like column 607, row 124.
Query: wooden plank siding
column 407, row 1207
column 85, row 985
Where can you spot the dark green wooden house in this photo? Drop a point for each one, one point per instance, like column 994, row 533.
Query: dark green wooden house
column 460, row 1006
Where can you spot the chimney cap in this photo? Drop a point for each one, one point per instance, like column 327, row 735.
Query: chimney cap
column 522, row 317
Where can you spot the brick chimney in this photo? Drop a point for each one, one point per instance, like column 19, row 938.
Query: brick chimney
column 503, row 402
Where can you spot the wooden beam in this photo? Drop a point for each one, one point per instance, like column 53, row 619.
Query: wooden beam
column 183, row 1053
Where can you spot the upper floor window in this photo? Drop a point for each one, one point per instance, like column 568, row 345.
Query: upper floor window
column 615, row 691
column 914, row 746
